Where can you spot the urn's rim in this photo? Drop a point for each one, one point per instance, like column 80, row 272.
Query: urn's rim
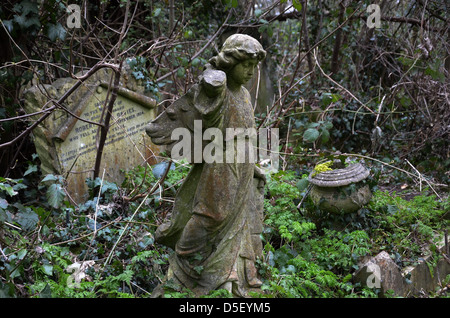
column 353, row 173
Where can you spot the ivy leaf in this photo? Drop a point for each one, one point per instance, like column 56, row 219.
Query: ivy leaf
column 31, row 168
column 56, row 32
column 138, row 75
column 181, row 72
column 19, row 186
column 109, row 186
column 55, row 195
column 33, row 21
column 3, row 203
column 50, row 177
column 47, row 269
column 21, row 20
column 302, row 184
column 435, row 74
column 311, row 135
column 159, row 169
column 156, row 12
column 46, row 292
column 297, row 5
column 195, row 62
column 198, row 269
column 9, row 25
column 325, row 136
column 28, row 219
column 8, row 188
column 6, row 291
column 29, row 7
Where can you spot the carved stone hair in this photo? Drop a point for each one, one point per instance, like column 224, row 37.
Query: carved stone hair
column 235, row 49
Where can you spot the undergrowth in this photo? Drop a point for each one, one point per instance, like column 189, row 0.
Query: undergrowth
column 312, row 254
column 105, row 246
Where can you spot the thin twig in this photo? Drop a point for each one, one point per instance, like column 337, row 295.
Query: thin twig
column 281, row 97
column 339, row 85
column 98, row 202
column 287, row 142
column 61, row 100
column 161, row 180
column 28, row 115
column 312, row 48
column 109, row 110
column 304, row 197
column 199, row 51
column 89, row 234
column 422, row 178
column 1, row 250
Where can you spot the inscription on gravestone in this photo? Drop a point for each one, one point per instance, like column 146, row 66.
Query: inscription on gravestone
column 67, row 145
column 126, row 145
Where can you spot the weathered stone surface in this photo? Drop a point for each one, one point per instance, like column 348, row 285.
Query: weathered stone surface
column 217, row 216
column 331, row 190
column 423, row 278
column 67, row 145
column 381, row 272
column 340, row 177
column 337, row 200
column 428, row 275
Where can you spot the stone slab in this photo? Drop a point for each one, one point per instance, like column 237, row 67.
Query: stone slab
column 126, row 145
column 425, row 277
column 67, row 145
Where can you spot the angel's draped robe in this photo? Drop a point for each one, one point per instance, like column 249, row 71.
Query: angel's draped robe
column 217, row 217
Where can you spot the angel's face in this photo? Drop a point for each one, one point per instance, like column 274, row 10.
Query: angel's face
column 242, row 72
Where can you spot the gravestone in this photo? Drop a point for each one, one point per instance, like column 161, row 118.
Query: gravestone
column 67, row 145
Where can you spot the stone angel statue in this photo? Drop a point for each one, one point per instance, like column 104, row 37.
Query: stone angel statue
column 216, row 222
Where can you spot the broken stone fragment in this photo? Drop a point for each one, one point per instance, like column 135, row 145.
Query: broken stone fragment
column 382, row 273
column 213, row 82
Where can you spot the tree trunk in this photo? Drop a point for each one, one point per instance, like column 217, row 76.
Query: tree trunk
column 338, row 42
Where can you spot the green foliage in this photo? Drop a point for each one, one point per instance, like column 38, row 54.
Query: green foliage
column 401, row 113
column 306, row 261
column 55, row 192
column 315, row 130
column 140, row 72
column 305, row 256
column 411, row 224
column 294, row 276
column 56, row 31
column 90, row 231
column 26, row 17
column 280, row 209
column 6, row 186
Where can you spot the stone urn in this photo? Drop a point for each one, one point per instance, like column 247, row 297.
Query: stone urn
column 340, row 190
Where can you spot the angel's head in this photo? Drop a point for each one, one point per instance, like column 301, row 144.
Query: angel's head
column 238, row 57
